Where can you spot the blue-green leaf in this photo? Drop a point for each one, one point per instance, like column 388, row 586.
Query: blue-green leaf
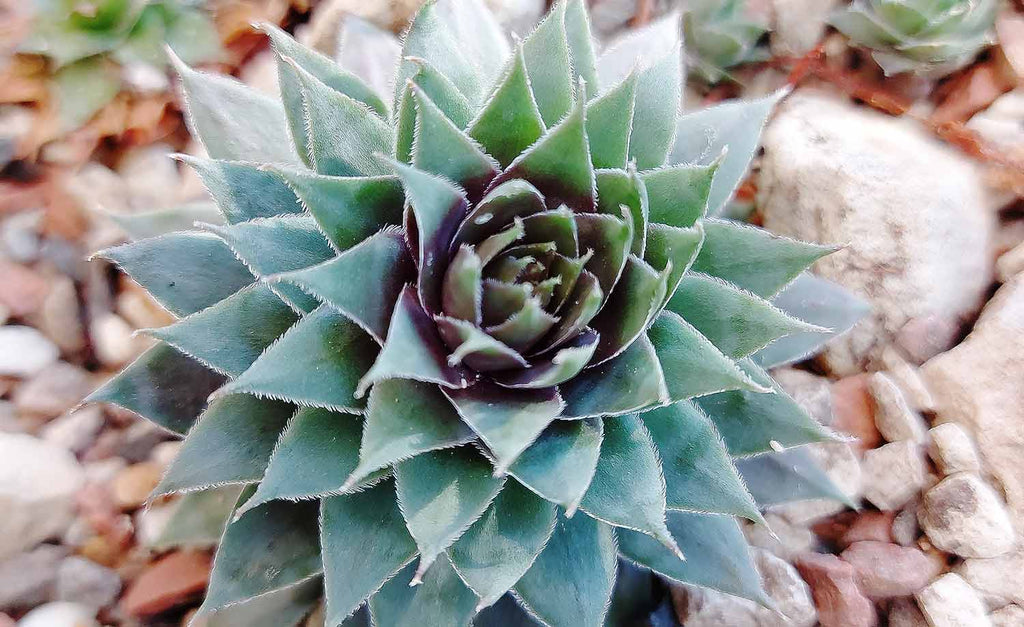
column 431, row 38
column 244, row 191
column 144, row 224
column 546, row 51
column 658, row 101
column 509, row 122
column 639, row 48
column 286, row 606
column 609, row 124
column 622, row 385
column 441, row 599
column 560, row 464
column 678, row 195
column 792, row 475
column 199, row 518
column 581, row 43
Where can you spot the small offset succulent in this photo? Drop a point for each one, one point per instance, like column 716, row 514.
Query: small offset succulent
column 470, row 345
column 720, row 35
column 927, row 37
column 90, row 42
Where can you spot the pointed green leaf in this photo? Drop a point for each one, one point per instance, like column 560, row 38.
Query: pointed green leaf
column 431, row 38
column 678, row 194
column 442, row 92
column 441, row 494
column 144, row 224
column 442, row 599
column 636, row 299
column 752, row 422
column 363, row 282
column 625, row 384
column 273, row 245
column 639, row 48
column 463, row 286
column 819, row 302
column 286, row 606
column 442, row 148
column 84, row 88
column 754, row 259
column 163, row 386
column 232, row 120
column 699, row 475
column 558, row 226
column 498, row 211
column 316, row 453
column 791, row 475
column 269, row 548
column 581, row 43
column 546, row 52
column 343, row 136
column 554, row 368
column 231, row 443
column 658, row 102
column 610, row 238
column 478, row 33
column 229, row 336
column 477, row 349
column 693, row 366
column 405, row 125
column 243, row 191
column 403, row 419
column 501, row 300
column 558, row 164
column 348, row 209
column 578, row 310
column 509, row 122
column 702, row 135
column 507, row 421
column 365, row 543
column 316, row 363
column 525, row 328
column 609, row 124
column 500, row 547
column 618, row 189
column 199, row 518
column 570, row 583
column 716, row 554
column 675, row 245
column 737, row 322
column 413, row 350
column 505, row 612
column 184, row 272
column 560, row 464
column 628, row 489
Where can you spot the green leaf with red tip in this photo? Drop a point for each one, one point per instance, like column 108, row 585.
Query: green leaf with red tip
column 234, row 121
column 507, row 421
column 316, row 363
column 440, row 147
column 477, row 349
column 678, row 194
column 558, row 226
column 441, row 599
column 272, row 547
column 570, row 583
column 243, row 191
column 348, row 209
column 554, row 368
column 577, row 312
column 442, row 493
column 500, row 547
column 658, row 102
column 231, row 443
column 273, row 245
column 558, row 164
column 675, row 245
column 498, row 209
column 560, row 464
column 754, row 259
column 363, row 282
column 463, row 286
column 628, row 489
column 699, row 474
column 753, row 422
column 403, row 419
column 693, row 366
column 617, row 189
column 791, row 475
column 581, row 43
column 231, row 335
column 610, row 123
column 431, row 38
column 364, row 544
column 413, row 350
column 509, row 122
column 636, row 300
column 343, row 136
column 610, row 238
column 546, row 52
column 716, row 553
column 623, row 385
column 737, row 322
column 163, row 386
column 525, row 328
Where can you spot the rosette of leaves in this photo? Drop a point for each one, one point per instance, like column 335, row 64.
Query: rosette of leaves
column 927, row 37
column 478, row 340
column 721, row 35
column 90, row 42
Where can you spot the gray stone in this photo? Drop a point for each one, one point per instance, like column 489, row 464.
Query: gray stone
column 780, row 537
column 138, row 441
column 999, row 580
column 909, row 380
column 893, row 416
column 963, row 515
column 1009, row 616
column 952, row 449
column 38, row 485
column 53, row 390
column 24, row 351
column 893, row 474
column 83, row 581
column 60, row 614
column 949, row 601
column 905, row 528
column 75, row 431
column 840, row 463
column 836, row 172
column 812, row 392
column 59, row 316
column 27, row 579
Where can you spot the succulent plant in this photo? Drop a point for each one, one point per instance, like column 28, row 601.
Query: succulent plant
column 928, row 37
column 721, row 35
column 89, row 42
column 478, row 339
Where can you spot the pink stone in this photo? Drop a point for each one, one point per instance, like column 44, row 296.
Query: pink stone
column 834, row 588
column 886, row 570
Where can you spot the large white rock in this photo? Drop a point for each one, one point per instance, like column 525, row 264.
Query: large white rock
column 911, row 212
column 949, row 601
column 961, row 514
column 999, row 580
column 38, row 484
column 24, row 351
column 978, row 385
column 60, row 614
column 893, row 474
